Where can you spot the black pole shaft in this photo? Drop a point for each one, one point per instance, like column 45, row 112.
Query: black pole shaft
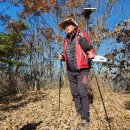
column 87, row 23
column 106, row 115
column 60, row 80
column 101, row 97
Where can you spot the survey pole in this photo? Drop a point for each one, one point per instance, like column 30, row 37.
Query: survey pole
column 86, row 13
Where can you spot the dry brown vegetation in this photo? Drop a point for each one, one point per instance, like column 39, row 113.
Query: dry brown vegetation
column 39, row 110
column 27, row 62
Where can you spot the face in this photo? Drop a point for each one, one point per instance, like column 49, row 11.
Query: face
column 68, row 28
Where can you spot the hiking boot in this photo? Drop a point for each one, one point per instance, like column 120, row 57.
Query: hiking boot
column 84, row 122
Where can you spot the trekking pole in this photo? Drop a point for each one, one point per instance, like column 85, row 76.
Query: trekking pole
column 101, row 59
column 60, row 82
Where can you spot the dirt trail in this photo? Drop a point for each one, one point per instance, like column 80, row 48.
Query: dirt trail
column 40, row 111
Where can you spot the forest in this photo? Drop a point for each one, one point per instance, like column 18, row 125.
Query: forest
column 32, row 77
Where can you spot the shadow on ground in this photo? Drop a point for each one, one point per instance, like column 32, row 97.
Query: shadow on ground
column 13, row 102
column 31, row 126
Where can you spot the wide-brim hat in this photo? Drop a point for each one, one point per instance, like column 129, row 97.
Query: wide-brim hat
column 69, row 20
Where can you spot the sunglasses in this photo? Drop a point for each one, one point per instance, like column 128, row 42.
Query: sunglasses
column 67, row 24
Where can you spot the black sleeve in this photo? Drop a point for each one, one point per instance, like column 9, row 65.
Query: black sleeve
column 84, row 44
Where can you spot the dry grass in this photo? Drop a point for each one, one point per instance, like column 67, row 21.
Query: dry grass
column 41, row 112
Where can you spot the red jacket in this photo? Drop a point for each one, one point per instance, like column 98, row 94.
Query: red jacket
column 80, row 57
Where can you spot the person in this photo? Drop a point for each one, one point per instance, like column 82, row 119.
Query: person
column 77, row 51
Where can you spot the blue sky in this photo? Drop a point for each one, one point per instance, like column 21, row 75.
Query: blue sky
column 120, row 12
column 9, row 9
column 117, row 13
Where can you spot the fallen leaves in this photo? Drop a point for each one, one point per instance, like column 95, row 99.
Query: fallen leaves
column 41, row 112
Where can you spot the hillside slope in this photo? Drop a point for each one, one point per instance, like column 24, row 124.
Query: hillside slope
column 40, row 111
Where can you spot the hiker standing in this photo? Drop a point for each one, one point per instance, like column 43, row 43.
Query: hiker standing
column 76, row 54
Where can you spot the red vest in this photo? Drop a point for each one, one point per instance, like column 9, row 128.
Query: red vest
column 80, row 57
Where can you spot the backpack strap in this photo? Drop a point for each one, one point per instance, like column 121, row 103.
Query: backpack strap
column 84, row 42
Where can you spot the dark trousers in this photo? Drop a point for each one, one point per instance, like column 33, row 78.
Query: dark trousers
column 78, row 85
